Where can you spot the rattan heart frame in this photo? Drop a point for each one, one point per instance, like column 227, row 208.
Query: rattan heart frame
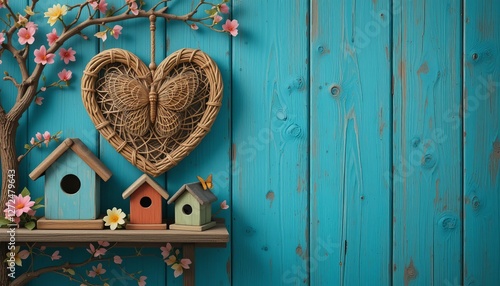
column 186, row 121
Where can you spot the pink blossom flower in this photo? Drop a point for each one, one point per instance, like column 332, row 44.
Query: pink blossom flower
column 96, row 252
column 103, row 243
column 102, row 6
column 194, row 26
column 179, row 267
column 52, row 37
column 43, row 247
column 100, row 251
column 96, row 270
column 165, row 250
column 26, row 35
column 21, row 204
column 46, row 137
column 42, row 57
column 32, row 141
column 217, row 18
column 117, row 259
column 2, row 3
column 43, row 88
column 134, row 9
column 101, row 35
column 116, row 32
column 67, row 55
column 55, row 255
column 39, row 136
column 23, row 254
column 92, row 249
column 142, row 281
column 2, row 38
column 129, row 1
column 224, row 205
column 224, row 9
column 38, row 100
column 31, row 25
column 65, row 75
column 231, row 27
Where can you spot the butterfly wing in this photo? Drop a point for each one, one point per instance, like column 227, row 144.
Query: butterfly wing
column 167, row 122
column 174, row 95
column 208, row 181
column 203, row 183
column 129, row 96
column 178, row 92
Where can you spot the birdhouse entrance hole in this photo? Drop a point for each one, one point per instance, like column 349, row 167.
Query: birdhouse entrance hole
column 187, row 209
column 145, row 202
column 70, row 184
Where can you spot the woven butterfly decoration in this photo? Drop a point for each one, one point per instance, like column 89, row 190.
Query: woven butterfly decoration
column 157, row 109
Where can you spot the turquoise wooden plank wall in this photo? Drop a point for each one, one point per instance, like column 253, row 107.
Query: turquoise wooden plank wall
column 358, row 142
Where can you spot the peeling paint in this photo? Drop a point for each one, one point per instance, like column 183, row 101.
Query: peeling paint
column 411, row 272
column 270, row 197
column 494, row 161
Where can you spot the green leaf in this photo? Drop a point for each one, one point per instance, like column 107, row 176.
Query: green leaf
column 4, row 221
column 211, row 12
column 69, row 270
column 27, row 146
column 38, row 200
column 30, row 225
column 35, row 207
column 25, row 192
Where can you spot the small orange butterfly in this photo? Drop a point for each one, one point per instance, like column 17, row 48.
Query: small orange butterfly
column 206, row 184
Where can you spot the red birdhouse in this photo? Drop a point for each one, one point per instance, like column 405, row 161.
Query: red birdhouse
column 145, row 204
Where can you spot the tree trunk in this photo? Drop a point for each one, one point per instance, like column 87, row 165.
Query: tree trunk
column 8, row 158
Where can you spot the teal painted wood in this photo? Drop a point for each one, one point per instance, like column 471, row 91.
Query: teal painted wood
column 61, row 205
column 481, row 142
column 270, row 144
column 213, row 154
column 350, row 143
column 427, row 148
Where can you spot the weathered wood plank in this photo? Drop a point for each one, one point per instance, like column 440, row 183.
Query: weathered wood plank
column 481, row 115
column 135, row 38
column 213, row 154
column 271, row 143
column 427, row 157
column 350, row 143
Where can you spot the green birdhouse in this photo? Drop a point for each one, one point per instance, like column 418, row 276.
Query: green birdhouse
column 193, row 208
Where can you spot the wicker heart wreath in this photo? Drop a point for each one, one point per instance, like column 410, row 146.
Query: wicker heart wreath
column 154, row 117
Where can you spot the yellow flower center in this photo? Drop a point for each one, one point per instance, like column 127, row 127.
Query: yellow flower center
column 113, row 218
column 20, row 206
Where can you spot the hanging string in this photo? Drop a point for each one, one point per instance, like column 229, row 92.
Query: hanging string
column 153, row 95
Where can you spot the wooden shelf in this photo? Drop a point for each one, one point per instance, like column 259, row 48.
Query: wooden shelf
column 217, row 235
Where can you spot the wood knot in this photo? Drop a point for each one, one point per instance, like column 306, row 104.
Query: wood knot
column 496, row 149
column 410, row 272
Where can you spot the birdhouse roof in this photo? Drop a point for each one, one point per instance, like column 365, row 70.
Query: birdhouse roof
column 139, row 182
column 81, row 150
column 195, row 189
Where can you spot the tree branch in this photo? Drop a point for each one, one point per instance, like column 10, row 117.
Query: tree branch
column 13, row 80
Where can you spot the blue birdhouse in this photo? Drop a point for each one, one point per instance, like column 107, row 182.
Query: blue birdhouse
column 72, row 175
